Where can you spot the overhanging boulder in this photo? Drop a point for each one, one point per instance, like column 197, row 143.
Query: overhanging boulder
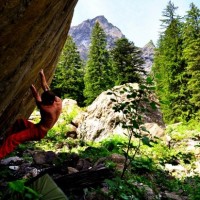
column 32, row 34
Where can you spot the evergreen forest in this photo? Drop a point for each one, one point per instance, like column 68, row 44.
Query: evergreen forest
column 84, row 81
column 175, row 71
column 177, row 65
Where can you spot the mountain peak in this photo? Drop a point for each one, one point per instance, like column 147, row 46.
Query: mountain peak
column 148, row 55
column 81, row 34
column 100, row 18
column 149, row 44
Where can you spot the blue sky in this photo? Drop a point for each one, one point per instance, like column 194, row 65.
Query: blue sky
column 139, row 20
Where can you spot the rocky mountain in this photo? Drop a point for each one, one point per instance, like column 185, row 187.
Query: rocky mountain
column 82, row 32
column 148, row 55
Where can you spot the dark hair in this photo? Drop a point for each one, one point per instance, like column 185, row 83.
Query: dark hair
column 48, row 97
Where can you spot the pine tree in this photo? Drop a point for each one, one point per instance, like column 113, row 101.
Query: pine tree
column 169, row 66
column 68, row 79
column 127, row 62
column 169, row 14
column 191, row 51
column 98, row 69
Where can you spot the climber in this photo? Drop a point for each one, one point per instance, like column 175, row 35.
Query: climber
column 50, row 107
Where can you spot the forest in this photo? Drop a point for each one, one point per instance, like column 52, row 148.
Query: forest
column 175, row 71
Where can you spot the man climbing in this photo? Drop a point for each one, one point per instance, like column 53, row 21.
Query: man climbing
column 50, row 107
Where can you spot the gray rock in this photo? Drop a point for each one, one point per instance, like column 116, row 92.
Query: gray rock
column 173, row 196
column 43, row 157
column 118, row 159
column 154, row 129
column 83, row 164
column 14, row 159
column 100, row 120
column 72, row 170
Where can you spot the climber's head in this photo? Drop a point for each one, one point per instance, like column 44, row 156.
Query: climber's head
column 48, row 97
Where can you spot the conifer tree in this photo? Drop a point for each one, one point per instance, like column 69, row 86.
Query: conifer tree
column 98, row 69
column 127, row 62
column 191, row 34
column 68, row 79
column 169, row 66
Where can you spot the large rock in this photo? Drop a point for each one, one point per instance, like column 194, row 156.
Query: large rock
column 100, row 120
column 32, row 34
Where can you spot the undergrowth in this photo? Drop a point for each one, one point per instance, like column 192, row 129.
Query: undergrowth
column 147, row 171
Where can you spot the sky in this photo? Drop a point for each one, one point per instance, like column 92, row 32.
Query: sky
column 138, row 20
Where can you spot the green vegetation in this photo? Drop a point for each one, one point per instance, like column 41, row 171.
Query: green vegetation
column 20, row 191
column 146, row 170
column 98, row 74
column 132, row 109
column 68, row 79
column 127, row 62
column 103, row 69
column 191, row 47
column 176, row 67
column 147, row 160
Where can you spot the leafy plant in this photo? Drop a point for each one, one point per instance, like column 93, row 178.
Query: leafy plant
column 192, row 186
column 18, row 190
column 133, row 108
column 142, row 164
column 120, row 189
column 115, row 144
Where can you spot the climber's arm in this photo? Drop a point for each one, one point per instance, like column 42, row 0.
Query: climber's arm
column 43, row 81
column 36, row 94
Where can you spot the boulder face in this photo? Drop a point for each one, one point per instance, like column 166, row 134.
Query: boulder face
column 32, row 35
column 101, row 121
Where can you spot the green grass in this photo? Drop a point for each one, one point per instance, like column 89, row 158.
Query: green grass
column 182, row 131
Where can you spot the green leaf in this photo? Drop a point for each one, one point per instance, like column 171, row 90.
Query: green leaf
column 149, row 80
column 143, row 87
column 17, row 186
column 153, row 105
column 124, row 196
column 135, row 124
column 146, row 141
column 144, row 129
